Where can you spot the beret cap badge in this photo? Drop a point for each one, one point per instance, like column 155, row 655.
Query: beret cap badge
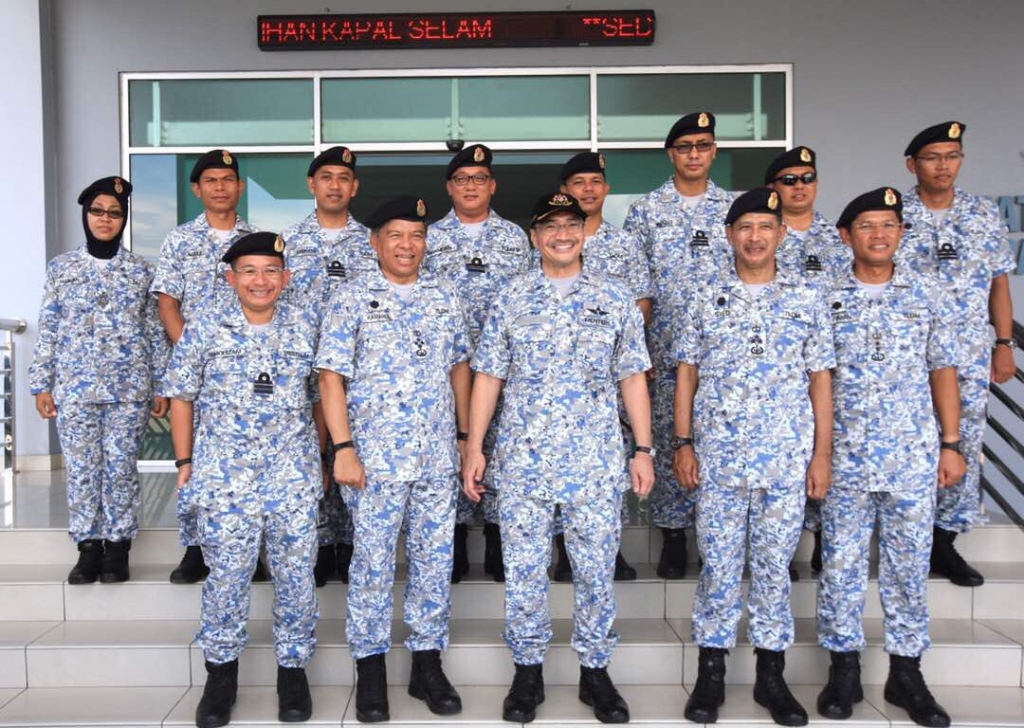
column 478, row 154
column 954, row 130
column 805, row 155
column 600, row 161
column 421, row 208
column 346, row 156
column 890, row 197
column 561, row 200
column 703, row 121
column 278, row 245
column 118, row 187
column 773, row 200
column 225, row 157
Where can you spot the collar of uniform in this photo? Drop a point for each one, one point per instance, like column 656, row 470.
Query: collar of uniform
column 377, row 281
column 736, row 287
column 311, row 224
column 669, row 193
column 900, row 279
column 914, row 207
column 451, row 221
column 241, row 226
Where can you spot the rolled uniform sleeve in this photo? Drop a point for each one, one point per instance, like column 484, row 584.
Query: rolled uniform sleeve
column 820, row 350
column 493, row 355
column 336, row 351
column 941, row 349
column 184, row 375
column 631, row 355
column 170, row 270
column 159, row 344
column 41, row 373
column 997, row 242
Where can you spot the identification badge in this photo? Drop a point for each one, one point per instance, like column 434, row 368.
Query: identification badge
column 812, row 264
column 476, row 265
column 699, row 240
column 948, row 251
column 263, row 385
column 336, row 269
column 756, row 342
column 419, row 343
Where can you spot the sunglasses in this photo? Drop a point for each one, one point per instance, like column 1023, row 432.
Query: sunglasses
column 791, row 179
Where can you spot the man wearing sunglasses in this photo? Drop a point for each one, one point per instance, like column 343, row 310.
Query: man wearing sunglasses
column 811, row 250
column 190, row 278
column 479, row 252
column 680, row 226
column 961, row 239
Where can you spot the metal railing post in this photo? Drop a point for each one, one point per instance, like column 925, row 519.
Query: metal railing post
column 9, row 372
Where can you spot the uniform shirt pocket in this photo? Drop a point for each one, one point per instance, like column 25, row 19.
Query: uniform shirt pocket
column 531, row 346
column 595, row 348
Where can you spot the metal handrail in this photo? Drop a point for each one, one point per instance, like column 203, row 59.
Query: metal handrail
column 1016, row 410
column 1005, row 434
column 15, row 326
column 9, row 327
column 1009, row 510
column 1003, row 469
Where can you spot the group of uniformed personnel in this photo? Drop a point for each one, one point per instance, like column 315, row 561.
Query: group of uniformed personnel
column 751, row 366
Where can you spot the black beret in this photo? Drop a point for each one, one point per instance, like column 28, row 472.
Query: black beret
column 553, row 203
column 701, row 122
column 255, row 244
column 406, row 207
column 884, row 198
column 947, row 131
column 582, row 163
column 476, row 155
column 213, row 159
column 117, row 187
column 340, row 156
column 759, row 199
column 796, row 157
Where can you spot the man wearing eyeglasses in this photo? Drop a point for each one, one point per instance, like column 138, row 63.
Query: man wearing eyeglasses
column 562, row 343
column 190, row 278
column 326, row 249
column 680, row 228
column 251, row 469
column 961, row 239
column 479, row 252
column 811, row 250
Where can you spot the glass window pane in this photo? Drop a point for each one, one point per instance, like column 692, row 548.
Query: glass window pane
column 644, row 107
column 476, row 109
column 218, row 112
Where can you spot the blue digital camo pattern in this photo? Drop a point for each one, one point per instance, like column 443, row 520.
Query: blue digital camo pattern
column 685, row 248
column 561, row 360
column 884, row 458
column 736, row 523
column 319, row 266
column 964, row 253
column 591, row 541
column 478, row 267
column 378, row 511
column 101, row 353
column 617, row 255
column 753, row 432
column 255, row 470
column 191, row 272
column 397, row 358
column 819, row 256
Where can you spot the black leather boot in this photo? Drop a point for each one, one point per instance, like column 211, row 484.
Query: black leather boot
column 115, row 561
column 259, row 574
column 906, row 688
column 372, row 690
column 326, row 564
column 494, row 564
column 816, row 553
column 563, row 567
column 843, row 689
column 709, row 692
column 526, row 693
column 771, row 691
column 623, row 571
column 946, row 560
column 294, row 703
column 672, row 563
column 598, row 691
column 460, row 553
column 192, row 567
column 214, row 709
column 344, row 560
column 429, row 683
column 90, row 562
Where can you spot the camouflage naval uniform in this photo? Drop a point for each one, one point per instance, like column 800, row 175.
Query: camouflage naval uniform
column 255, row 471
column 884, row 460
column 964, row 253
column 753, row 432
column 191, row 272
column 101, row 353
column 617, row 255
column 396, row 357
column 560, row 442
column 478, row 267
column 685, row 248
column 319, row 266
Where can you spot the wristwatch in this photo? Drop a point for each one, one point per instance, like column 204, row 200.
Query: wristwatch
column 954, row 446
column 1008, row 343
column 643, row 448
column 342, row 445
column 678, row 442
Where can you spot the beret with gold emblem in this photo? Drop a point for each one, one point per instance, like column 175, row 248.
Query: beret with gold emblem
column 475, row 155
column 213, row 159
column 338, row 156
column 263, row 243
column 117, row 187
column 947, row 131
column 581, row 164
column 700, row 122
column 757, row 200
column 796, row 157
column 406, row 207
column 553, row 203
column 884, row 198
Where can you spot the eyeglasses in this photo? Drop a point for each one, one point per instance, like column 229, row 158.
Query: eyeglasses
column 249, row 271
column 791, row 179
column 100, row 212
column 550, row 228
column 461, row 180
column 951, row 158
column 702, row 147
column 870, row 227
